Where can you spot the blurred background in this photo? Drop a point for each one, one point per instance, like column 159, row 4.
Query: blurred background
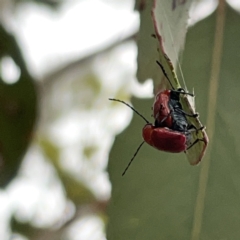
column 60, row 62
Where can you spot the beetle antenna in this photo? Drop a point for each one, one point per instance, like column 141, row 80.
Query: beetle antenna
column 139, row 114
column 135, row 154
column 164, row 73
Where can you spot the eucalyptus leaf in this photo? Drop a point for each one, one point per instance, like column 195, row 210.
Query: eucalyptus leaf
column 159, row 195
column 170, row 17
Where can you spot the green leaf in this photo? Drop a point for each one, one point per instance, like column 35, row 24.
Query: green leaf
column 161, row 196
column 178, row 15
column 154, row 200
column 170, row 17
column 216, row 208
column 170, row 21
column 147, row 54
column 18, row 103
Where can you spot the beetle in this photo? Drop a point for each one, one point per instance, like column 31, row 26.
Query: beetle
column 167, row 109
column 168, row 112
column 162, row 138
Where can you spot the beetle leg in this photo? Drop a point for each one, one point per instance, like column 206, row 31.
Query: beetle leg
column 188, row 114
column 196, row 141
column 196, row 129
column 193, row 128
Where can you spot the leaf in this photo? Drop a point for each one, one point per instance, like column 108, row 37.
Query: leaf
column 169, row 16
column 153, row 199
column 161, row 196
column 216, row 209
column 147, row 54
column 199, row 138
column 18, row 103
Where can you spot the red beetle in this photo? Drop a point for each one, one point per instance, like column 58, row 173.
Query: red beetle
column 162, row 138
column 165, row 139
column 167, row 109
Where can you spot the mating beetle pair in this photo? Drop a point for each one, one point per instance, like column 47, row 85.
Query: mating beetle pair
column 171, row 131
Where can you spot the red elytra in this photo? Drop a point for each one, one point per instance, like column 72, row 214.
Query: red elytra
column 161, row 138
column 164, row 139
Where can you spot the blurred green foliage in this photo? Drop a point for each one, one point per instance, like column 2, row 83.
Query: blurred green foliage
column 18, row 116
column 25, row 229
column 49, row 3
column 75, row 190
column 156, row 198
column 18, row 110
